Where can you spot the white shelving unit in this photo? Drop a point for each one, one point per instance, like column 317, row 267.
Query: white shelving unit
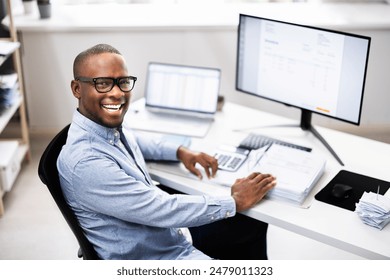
column 14, row 116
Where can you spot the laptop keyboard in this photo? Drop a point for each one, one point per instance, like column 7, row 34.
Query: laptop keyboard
column 255, row 141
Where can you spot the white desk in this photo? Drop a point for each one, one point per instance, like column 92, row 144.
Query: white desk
column 322, row 222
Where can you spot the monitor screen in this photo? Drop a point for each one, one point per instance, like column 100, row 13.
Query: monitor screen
column 314, row 69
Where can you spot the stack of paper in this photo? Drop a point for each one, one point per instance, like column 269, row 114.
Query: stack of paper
column 374, row 209
column 296, row 171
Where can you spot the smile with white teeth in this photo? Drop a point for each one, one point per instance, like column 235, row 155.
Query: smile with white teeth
column 112, row 107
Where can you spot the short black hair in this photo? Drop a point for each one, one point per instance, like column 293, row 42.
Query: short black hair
column 95, row 50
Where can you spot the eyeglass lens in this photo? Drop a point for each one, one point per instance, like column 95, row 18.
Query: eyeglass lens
column 106, row 84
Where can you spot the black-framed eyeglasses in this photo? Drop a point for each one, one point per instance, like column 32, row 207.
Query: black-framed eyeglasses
column 106, row 84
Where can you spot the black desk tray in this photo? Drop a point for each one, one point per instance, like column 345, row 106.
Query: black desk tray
column 359, row 183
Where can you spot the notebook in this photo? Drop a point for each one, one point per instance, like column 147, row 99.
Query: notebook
column 179, row 99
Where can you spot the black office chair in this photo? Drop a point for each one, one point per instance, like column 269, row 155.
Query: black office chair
column 48, row 174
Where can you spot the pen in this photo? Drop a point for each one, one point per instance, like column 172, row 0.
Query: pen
column 377, row 193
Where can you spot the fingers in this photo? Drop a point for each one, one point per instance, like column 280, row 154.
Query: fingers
column 258, row 177
column 250, row 190
column 253, row 175
column 265, row 182
column 209, row 163
column 265, row 185
column 190, row 159
column 213, row 167
column 195, row 171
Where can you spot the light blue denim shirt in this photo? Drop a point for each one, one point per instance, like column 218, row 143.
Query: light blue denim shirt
column 123, row 214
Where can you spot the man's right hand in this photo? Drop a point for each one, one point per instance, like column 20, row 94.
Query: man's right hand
column 250, row 190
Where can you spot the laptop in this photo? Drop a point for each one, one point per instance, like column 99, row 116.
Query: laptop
column 179, row 99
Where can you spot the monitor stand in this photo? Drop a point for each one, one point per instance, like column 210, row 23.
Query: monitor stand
column 306, row 125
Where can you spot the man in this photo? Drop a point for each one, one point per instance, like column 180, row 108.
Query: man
column 105, row 180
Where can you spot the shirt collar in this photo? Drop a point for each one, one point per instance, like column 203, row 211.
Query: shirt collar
column 109, row 134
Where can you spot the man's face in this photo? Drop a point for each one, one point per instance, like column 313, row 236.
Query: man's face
column 107, row 109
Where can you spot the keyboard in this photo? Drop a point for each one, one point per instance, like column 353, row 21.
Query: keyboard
column 255, row 141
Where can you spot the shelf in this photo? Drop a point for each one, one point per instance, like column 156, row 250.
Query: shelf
column 22, row 151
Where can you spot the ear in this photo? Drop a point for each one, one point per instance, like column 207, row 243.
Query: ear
column 75, row 86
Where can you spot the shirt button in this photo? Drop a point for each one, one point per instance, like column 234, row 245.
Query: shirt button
column 180, row 232
column 227, row 214
column 116, row 133
column 112, row 142
column 212, row 218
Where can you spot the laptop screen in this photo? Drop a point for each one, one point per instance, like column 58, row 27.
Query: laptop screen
column 183, row 88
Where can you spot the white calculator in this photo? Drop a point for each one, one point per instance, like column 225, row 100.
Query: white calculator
column 230, row 158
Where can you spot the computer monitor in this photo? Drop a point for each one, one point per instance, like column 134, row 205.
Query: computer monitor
column 314, row 69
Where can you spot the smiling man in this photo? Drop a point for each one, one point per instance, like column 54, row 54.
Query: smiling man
column 105, row 180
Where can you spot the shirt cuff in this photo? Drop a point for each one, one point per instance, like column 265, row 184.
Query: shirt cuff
column 228, row 207
column 170, row 151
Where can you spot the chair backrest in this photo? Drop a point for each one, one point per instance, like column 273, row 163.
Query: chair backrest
column 48, row 174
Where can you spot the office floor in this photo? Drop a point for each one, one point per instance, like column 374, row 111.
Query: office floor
column 32, row 227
